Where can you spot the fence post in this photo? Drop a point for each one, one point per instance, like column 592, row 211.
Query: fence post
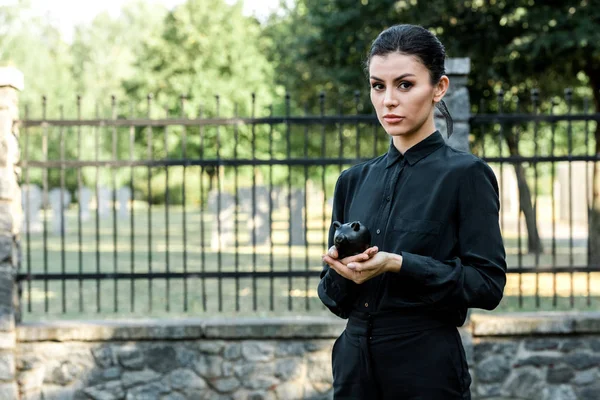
column 11, row 81
column 457, row 100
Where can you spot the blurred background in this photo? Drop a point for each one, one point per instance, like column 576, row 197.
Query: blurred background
column 180, row 156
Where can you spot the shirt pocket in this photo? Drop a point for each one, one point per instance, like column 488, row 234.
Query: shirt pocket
column 417, row 236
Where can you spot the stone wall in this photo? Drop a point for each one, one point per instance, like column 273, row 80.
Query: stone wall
column 551, row 356
column 11, row 81
column 538, row 356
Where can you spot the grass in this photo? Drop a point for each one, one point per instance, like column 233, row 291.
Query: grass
column 176, row 298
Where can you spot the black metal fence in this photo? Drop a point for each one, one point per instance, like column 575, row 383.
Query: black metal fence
column 205, row 214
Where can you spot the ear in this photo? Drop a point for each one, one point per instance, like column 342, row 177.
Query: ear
column 441, row 88
column 355, row 226
column 336, row 224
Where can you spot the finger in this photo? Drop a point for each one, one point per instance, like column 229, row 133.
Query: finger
column 338, row 267
column 371, row 251
column 357, row 257
column 332, row 252
column 363, row 266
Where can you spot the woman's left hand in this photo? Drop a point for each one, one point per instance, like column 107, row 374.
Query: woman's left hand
column 377, row 265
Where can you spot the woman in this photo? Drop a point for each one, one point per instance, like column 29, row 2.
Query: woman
column 436, row 243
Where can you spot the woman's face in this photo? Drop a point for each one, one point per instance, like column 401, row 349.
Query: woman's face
column 403, row 97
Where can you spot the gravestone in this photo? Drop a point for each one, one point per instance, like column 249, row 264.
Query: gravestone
column 31, row 194
column 123, row 197
column 222, row 208
column 103, row 201
column 258, row 215
column 59, row 201
column 297, row 225
column 85, row 195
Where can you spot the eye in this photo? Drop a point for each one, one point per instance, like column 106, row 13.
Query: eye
column 405, row 85
column 377, row 86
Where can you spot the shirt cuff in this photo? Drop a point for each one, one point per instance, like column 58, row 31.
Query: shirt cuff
column 338, row 285
column 414, row 266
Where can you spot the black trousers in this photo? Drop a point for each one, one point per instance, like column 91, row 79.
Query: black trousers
column 391, row 356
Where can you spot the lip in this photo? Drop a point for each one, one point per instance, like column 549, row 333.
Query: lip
column 392, row 118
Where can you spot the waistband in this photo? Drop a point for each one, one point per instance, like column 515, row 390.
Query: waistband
column 391, row 322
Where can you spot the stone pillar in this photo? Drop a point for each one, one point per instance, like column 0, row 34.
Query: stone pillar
column 457, row 100
column 11, row 81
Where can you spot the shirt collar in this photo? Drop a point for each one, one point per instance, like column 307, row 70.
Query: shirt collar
column 419, row 151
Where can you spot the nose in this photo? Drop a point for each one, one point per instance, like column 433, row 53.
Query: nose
column 389, row 99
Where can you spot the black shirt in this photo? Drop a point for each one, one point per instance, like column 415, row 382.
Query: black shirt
column 437, row 207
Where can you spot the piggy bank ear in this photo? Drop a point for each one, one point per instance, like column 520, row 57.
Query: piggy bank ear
column 336, row 224
column 355, row 226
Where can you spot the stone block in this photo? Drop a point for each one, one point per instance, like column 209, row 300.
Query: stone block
column 258, row 351
column 225, row 385
column 180, row 379
column 560, row 374
column 7, row 366
column 589, row 392
column 9, row 391
column 7, row 248
column 587, row 322
column 541, row 323
column 265, row 328
column 32, row 379
column 134, row 378
column 494, row 369
column 161, row 359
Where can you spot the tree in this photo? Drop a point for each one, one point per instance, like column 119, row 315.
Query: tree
column 528, row 39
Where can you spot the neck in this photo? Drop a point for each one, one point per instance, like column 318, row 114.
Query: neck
column 405, row 142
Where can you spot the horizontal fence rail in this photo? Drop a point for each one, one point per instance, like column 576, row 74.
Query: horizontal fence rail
column 217, row 215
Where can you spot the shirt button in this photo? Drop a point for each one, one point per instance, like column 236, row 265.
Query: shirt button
column 388, row 198
column 366, row 304
column 378, row 231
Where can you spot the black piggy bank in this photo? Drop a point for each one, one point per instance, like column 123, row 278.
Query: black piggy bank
column 351, row 238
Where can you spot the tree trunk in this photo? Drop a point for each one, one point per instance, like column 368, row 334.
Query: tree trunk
column 594, row 212
column 534, row 243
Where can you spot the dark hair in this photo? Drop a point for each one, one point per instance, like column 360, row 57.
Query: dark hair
column 416, row 41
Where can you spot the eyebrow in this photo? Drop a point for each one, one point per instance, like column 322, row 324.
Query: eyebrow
column 395, row 80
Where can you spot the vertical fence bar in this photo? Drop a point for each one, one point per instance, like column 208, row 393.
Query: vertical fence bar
column 340, row 138
column 150, row 156
column 253, row 145
column 113, row 105
column 553, row 197
column 356, row 105
column 45, row 199
column 519, row 239
column 132, row 211
column 184, row 203
column 219, row 196
column 167, row 220
column 236, row 210
column 79, row 210
column 500, row 99
column 289, row 194
column 27, row 208
column 325, row 227
column 586, row 111
column 97, row 180
column 271, row 245
column 306, row 261
column 202, row 242
column 63, row 267
column 535, row 95
column 569, row 100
